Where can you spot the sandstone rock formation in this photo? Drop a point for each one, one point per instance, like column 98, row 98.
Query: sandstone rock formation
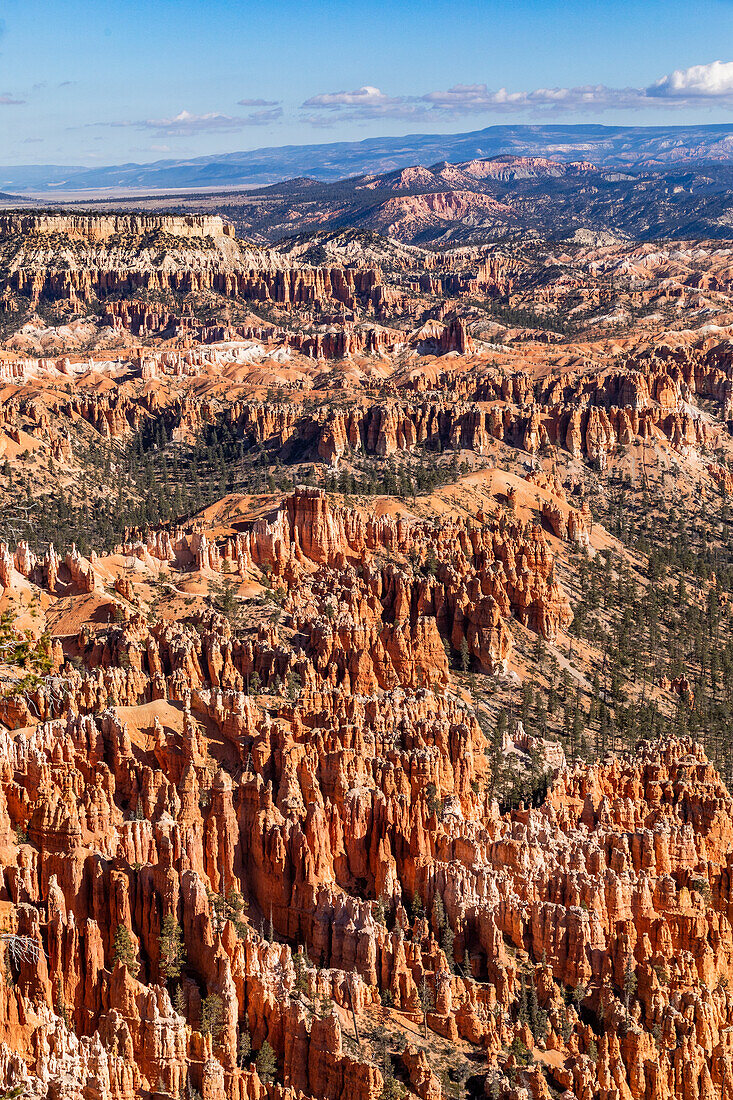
column 317, row 624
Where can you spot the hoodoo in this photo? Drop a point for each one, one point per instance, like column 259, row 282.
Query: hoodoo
column 366, row 582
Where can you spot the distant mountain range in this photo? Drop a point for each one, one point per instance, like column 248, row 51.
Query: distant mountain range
column 604, row 146
column 469, row 202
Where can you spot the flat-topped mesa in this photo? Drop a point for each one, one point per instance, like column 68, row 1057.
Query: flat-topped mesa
column 95, row 228
column 83, row 259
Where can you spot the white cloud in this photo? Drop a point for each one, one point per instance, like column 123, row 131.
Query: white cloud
column 465, row 99
column 262, row 118
column 186, row 122
column 366, row 97
column 713, row 81
column 7, row 100
column 474, row 98
column 361, row 105
column 461, row 97
column 699, row 85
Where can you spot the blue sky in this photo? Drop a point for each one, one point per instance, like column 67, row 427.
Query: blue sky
column 96, row 82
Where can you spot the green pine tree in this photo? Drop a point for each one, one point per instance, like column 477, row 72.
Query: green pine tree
column 124, row 949
column 212, row 1015
column 172, row 948
column 244, row 1049
column 266, row 1063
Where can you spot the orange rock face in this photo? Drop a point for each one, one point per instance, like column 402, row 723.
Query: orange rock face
column 304, row 790
column 290, row 849
column 623, row 870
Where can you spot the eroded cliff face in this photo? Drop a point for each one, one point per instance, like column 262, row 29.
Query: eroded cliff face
column 310, row 802
column 655, row 397
column 304, row 789
column 613, row 893
column 95, row 228
column 83, row 260
column 361, row 623
column 190, row 278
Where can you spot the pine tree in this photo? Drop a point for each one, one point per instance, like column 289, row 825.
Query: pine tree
column 438, row 914
column 447, row 942
column 301, row 973
column 266, row 1063
column 537, row 1015
column 124, row 950
column 539, row 652
column 427, row 1003
column 391, row 1087
column 629, row 981
column 244, row 1048
column 212, row 1013
column 172, row 948
column 523, row 1010
column 224, row 596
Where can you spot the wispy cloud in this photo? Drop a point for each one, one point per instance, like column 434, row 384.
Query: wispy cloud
column 363, row 103
column 464, row 99
column 8, row 100
column 706, row 85
column 367, row 96
column 712, row 83
column 187, row 122
column 472, row 98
